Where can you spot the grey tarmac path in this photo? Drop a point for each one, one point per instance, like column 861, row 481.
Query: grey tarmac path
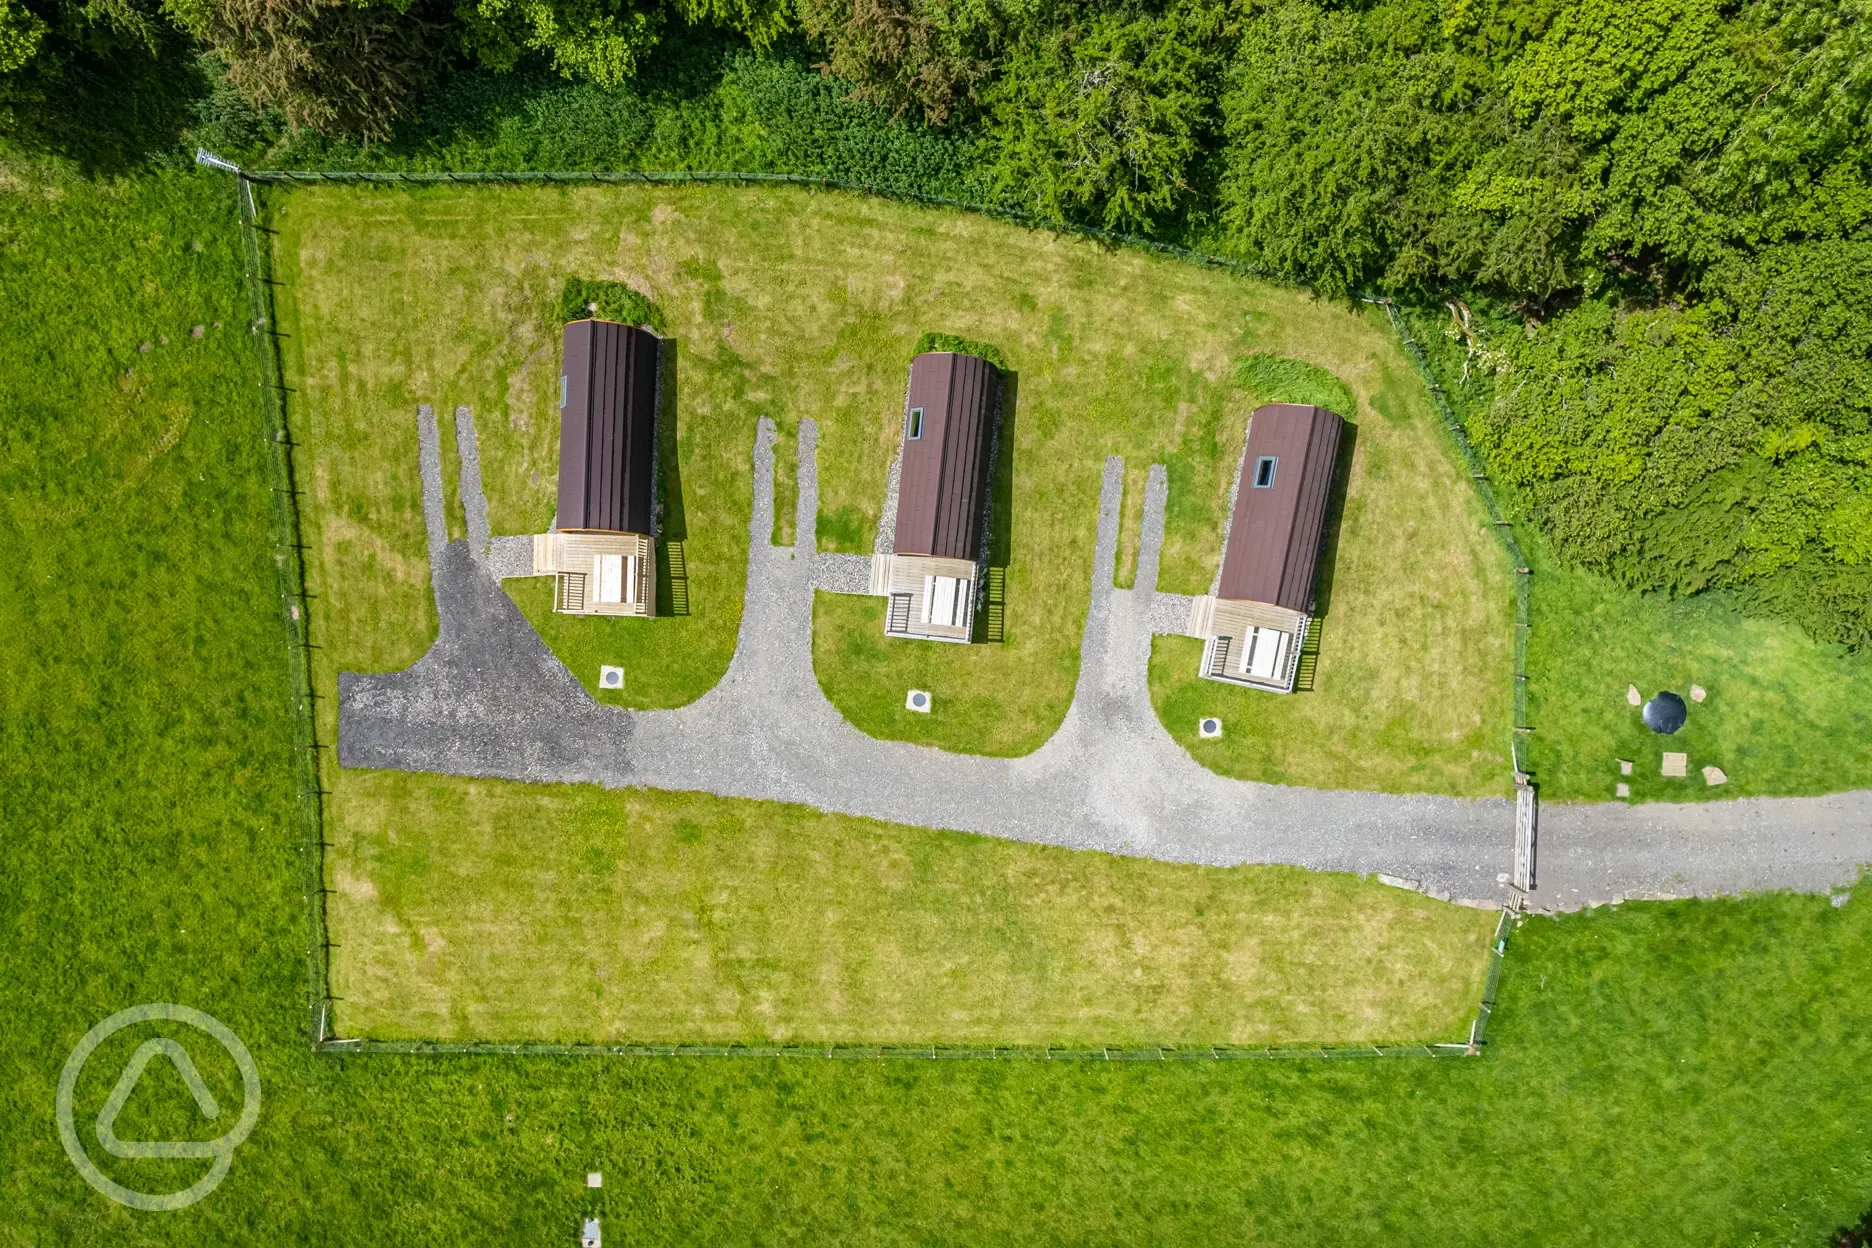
column 490, row 700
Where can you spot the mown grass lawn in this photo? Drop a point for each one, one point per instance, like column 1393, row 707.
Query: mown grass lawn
column 454, row 903
column 1412, row 687
column 1784, row 715
column 1689, row 1073
column 786, row 304
column 508, row 911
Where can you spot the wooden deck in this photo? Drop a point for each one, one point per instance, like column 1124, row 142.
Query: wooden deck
column 930, row 597
column 598, row 573
column 1249, row 643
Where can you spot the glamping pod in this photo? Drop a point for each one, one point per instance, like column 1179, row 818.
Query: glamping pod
column 933, row 577
column 601, row 552
column 1255, row 624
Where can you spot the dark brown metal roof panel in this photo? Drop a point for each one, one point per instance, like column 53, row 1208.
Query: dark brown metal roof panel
column 943, row 482
column 607, row 427
column 1274, row 540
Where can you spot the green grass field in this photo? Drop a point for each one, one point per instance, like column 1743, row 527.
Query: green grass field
column 513, row 912
column 1412, row 691
column 1785, row 715
column 667, row 918
column 1412, row 688
column 991, row 967
column 784, row 304
column 1686, row 1073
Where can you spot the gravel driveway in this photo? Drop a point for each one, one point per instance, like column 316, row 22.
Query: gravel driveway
column 490, row 700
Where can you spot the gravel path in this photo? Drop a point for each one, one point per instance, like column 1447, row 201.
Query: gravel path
column 474, row 499
column 886, row 541
column 490, row 700
column 1228, row 517
column 842, row 574
column 429, row 465
column 510, row 556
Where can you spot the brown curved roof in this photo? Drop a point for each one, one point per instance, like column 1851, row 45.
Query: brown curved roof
column 607, row 427
column 1274, row 540
column 944, row 480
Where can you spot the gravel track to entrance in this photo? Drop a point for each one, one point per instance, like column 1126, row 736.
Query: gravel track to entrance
column 489, row 699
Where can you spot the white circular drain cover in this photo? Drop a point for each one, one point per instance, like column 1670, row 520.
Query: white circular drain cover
column 919, row 700
column 610, row 677
column 1209, row 727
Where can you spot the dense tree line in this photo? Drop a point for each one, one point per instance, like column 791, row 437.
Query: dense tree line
column 1655, row 213
column 1725, row 444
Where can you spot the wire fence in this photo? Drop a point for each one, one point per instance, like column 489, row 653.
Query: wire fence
column 295, row 604
column 289, row 552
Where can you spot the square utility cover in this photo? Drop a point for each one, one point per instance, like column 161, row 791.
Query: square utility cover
column 1209, row 726
column 917, row 700
column 610, row 677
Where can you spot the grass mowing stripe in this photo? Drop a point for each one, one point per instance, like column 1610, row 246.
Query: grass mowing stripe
column 782, row 303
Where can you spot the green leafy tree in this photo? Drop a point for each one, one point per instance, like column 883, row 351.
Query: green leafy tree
column 1647, row 91
column 924, row 56
column 1347, row 133
column 1692, row 134
column 21, row 33
column 1600, row 60
column 603, row 41
column 1522, row 205
column 1105, row 121
column 330, row 65
column 105, row 81
column 1799, row 163
column 1725, row 445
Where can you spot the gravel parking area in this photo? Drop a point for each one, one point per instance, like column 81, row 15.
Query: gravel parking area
column 490, row 700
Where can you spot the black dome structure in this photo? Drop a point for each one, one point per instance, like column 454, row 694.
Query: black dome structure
column 1665, row 713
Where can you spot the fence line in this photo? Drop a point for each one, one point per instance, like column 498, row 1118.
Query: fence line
column 296, row 614
column 1113, row 1053
column 295, row 606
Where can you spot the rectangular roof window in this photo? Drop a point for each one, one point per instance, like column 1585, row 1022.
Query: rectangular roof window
column 916, row 423
column 565, row 390
column 1264, row 472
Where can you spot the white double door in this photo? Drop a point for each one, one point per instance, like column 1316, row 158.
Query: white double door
column 945, row 600
column 614, row 578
